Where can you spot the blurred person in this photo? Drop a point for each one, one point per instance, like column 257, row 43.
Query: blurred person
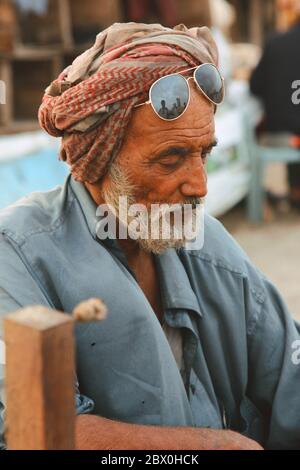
column 177, row 109
column 272, row 82
column 198, row 349
column 163, row 112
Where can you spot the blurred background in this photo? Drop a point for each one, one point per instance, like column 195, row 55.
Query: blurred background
column 254, row 177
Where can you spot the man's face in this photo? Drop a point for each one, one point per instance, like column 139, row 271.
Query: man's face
column 163, row 163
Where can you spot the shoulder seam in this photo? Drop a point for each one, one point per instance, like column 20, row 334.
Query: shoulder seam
column 258, row 293
column 10, row 296
column 20, row 240
column 217, row 262
column 28, row 268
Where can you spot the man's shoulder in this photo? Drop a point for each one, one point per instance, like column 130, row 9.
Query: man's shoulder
column 278, row 40
column 36, row 213
column 223, row 260
column 220, row 248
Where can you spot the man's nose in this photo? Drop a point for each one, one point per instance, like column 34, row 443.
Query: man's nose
column 195, row 184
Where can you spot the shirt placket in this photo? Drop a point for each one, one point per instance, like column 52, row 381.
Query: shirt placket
column 181, row 319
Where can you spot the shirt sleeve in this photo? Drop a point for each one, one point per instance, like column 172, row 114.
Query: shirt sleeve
column 19, row 289
column 84, row 405
column 274, row 367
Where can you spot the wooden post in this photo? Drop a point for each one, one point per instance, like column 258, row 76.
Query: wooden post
column 65, row 22
column 39, row 380
column 256, row 22
column 6, row 104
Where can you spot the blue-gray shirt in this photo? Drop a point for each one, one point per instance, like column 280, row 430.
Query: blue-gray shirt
column 238, row 337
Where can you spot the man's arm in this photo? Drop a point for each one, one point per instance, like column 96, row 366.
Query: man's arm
column 274, row 367
column 96, row 433
column 18, row 289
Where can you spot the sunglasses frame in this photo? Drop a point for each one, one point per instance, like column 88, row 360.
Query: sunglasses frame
column 189, row 91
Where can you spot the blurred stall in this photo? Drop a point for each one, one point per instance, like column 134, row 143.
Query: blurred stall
column 38, row 38
column 229, row 166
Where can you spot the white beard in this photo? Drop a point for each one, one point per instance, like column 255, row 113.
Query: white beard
column 155, row 235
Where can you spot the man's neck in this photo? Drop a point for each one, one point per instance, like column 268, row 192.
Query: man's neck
column 141, row 263
column 137, row 257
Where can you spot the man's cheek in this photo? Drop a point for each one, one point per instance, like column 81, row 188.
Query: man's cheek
column 163, row 189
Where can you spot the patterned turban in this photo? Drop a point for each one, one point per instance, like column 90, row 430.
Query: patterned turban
column 90, row 104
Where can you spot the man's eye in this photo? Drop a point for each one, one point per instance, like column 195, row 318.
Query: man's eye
column 170, row 161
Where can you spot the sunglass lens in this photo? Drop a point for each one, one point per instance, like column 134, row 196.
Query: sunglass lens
column 210, row 82
column 169, row 96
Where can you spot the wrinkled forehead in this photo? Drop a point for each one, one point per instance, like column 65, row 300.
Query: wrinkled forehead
column 196, row 121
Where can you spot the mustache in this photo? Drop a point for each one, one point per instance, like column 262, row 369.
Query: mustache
column 194, row 202
column 121, row 185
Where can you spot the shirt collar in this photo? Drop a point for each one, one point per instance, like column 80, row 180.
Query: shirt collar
column 176, row 290
column 88, row 206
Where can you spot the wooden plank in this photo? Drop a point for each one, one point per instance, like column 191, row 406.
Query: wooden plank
column 256, row 22
column 193, row 13
column 34, row 53
column 6, row 104
column 39, row 380
column 65, row 23
column 15, row 127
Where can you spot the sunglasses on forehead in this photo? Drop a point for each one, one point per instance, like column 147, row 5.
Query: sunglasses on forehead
column 170, row 95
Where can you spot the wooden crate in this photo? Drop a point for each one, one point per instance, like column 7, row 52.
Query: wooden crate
column 52, row 28
column 89, row 17
column 40, row 29
column 30, row 78
column 43, row 45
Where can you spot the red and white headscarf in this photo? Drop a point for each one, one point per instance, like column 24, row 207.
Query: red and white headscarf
column 90, row 104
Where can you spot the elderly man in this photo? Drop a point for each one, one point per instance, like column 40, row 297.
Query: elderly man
column 198, row 350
